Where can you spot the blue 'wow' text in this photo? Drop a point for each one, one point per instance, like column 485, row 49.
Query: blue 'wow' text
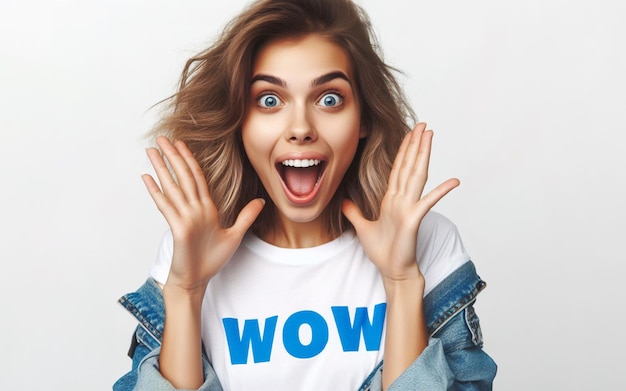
column 349, row 331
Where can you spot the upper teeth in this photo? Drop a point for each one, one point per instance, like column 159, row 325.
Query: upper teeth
column 301, row 162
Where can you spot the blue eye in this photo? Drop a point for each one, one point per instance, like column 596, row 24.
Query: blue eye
column 330, row 100
column 269, row 101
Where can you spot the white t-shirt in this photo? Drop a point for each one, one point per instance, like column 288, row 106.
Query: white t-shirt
column 305, row 319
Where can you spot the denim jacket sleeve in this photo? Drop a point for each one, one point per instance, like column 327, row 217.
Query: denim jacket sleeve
column 146, row 304
column 453, row 359
column 149, row 377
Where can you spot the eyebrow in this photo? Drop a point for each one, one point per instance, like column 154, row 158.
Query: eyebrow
column 328, row 77
column 316, row 82
column 270, row 79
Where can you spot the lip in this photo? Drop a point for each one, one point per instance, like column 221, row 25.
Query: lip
column 293, row 198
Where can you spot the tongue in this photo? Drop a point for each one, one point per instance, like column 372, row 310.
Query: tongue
column 301, row 181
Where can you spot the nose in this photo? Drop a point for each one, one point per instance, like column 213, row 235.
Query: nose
column 301, row 129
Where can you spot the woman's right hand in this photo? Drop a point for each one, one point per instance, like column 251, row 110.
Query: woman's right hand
column 201, row 245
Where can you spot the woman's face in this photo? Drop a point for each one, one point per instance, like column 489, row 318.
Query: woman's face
column 303, row 126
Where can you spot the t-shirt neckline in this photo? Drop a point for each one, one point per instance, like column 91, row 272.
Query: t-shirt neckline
column 298, row 256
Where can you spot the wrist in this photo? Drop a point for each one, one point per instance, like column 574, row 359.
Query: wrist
column 405, row 288
column 409, row 279
column 173, row 293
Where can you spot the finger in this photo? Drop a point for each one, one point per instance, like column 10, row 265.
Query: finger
column 392, row 185
column 407, row 167
column 423, row 155
column 196, row 170
column 247, row 216
column 184, row 176
column 169, row 186
column 419, row 174
column 435, row 195
column 167, row 209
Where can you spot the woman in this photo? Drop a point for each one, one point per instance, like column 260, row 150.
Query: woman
column 302, row 252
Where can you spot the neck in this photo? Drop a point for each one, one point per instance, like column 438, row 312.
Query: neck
column 289, row 234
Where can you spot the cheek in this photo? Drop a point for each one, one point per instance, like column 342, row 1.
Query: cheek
column 255, row 138
column 345, row 135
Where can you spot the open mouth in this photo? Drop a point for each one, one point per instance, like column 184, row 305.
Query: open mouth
column 301, row 176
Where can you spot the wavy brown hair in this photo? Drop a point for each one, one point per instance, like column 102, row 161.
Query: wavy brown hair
column 212, row 102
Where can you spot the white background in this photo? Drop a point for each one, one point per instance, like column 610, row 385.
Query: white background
column 527, row 101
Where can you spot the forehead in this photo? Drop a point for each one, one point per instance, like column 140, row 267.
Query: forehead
column 309, row 56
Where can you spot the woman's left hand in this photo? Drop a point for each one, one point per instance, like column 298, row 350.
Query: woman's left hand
column 391, row 241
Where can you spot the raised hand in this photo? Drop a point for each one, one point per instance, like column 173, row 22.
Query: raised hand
column 201, row 245
column 391, row 241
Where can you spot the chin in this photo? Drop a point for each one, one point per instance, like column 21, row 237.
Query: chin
column 301, row 214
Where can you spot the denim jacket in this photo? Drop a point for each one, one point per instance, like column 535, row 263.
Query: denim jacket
column 453, row 359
